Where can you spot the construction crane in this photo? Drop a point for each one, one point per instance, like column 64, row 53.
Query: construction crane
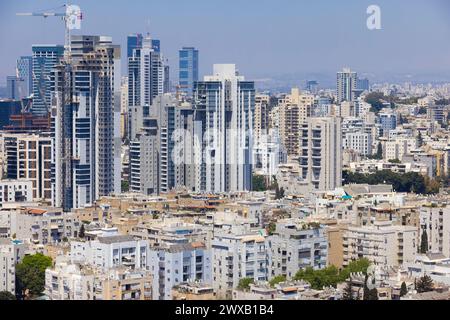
column 72, row 20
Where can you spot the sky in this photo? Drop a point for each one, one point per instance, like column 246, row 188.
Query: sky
column 264, row 38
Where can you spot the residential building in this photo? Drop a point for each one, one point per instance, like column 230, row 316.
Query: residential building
column 237, row 256
column 295, row 110
column 297, row 246
column 86, row 159
column 146, row 78
column 15, row 191
column 11, row 253
column 111, row 251
column 224, row 104
column 29, row 157
column 382, row 243
column 172, row 265
column 320, row 153
column 435, row 222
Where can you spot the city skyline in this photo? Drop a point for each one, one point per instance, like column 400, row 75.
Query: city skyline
column 297, row 41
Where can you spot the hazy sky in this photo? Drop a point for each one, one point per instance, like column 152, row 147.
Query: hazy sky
column 264, row 38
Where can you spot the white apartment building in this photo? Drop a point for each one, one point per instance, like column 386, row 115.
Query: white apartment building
column 382, row 243
column 399, row 147
column 297, row 246
column 69, row 281
column 15, row 191
column 238, row 256
column 436, row 222
column 11, row 252
column 111, row 251
column 39, row 225
column 175, row 264
column 358, row 141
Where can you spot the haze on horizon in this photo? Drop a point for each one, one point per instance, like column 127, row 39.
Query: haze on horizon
column 264, row 38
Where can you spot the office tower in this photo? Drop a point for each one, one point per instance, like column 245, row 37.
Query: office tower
column 134, row 41
column 28, row 157
column 147, row 78
column 295, row 109
column 188, row 69
column 436, row 113
column 45, row 58
column 8, row 108
column 225, row 103
column 15, row 88
column 312, row 86
column 362, row 84
column 346, row 85
column 25, row 72
column 320, row 156
column 85, row 124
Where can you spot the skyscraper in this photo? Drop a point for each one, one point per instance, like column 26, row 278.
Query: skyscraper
column 188, row 69
column 346, row 85
column 45, row 58
column 147, row 78
column 85, row 123
column 225, row 103
column 25, row 72
column 15, row 88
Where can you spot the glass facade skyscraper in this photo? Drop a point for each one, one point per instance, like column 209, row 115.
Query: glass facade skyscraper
column 188, row 69
column 134, row 41
column 25, row 72
column 45, row 58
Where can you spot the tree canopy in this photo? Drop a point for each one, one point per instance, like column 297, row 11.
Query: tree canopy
column 6, row 295
column 401, row 182
column 30, row 274
column 331, row 276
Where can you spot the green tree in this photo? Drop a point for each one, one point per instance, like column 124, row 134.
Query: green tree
column 244, row 283
column 403, row 289
column 424, row 242
column 258, row 183
column 424, row 284
column 276, row 280
column 30, row 274
column 6, row 295
column 348, row 291
column 125, row 186
column 331, row 276
column 419, row 139
column 271, row 228
column 82, row 232
column 379, row 154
